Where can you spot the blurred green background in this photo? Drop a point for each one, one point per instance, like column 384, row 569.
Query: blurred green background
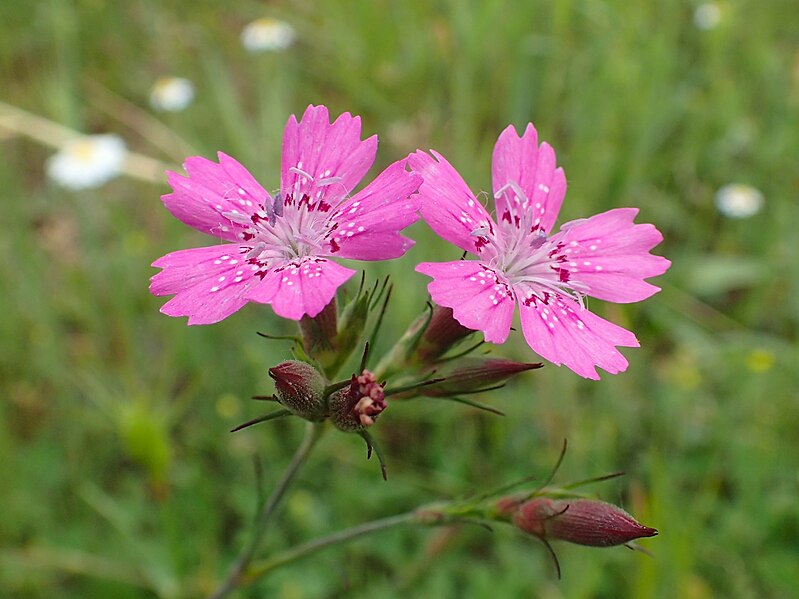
column 119, row 478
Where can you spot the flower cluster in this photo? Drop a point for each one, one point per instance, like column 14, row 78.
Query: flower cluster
column 279, row 246
column 352, row 406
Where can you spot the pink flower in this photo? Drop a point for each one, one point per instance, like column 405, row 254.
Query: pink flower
column 279, row 247
column 519, row 262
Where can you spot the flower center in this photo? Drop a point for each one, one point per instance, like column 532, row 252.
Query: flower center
column 544, row 269
column 83, row 151
column 524, row 254
column 291, row 227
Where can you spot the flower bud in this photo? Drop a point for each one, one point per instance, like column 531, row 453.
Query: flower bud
column 581, row 521
column 300, row 388
column 357, row 406
column 319, row 332
column 441, row 334
column 467, row 375
column 351, row 323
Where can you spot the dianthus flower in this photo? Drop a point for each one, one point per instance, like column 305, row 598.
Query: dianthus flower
column 279, row 247
column 520, row 262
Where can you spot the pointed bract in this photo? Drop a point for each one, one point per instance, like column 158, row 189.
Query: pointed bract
column 441, row 334
column 467, row 375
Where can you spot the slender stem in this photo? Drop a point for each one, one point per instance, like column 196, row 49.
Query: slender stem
column 263, row 567
column 234, row 578
column 50, row 133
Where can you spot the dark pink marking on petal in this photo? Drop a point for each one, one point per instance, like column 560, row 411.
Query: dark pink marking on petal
column 367, row 226
column 300, row 288
column 533, row 169
column 209, row 283
column 325, row 152
column 479, row 297
column 211, row 190
column 562, row 332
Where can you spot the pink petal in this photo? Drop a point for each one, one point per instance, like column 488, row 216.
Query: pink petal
column 210, row 283
column 446, row 202
column 519, row 160
column 564, row 333
column 332, row 157
column 211, row 190
column 479, row 297
column 367, row 226
column 300, row 288
column 610, row 254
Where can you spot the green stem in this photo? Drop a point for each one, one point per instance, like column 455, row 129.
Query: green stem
column 234, row 578
column 47, row 132
column 263, row 567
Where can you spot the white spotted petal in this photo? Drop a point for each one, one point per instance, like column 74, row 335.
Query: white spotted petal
column 608, row 257
column 447, row 203
column 212, row 194
column 367, row 225
column 518, row 261
column 564, row 333
column 301, row 288
column 528, row 187
column 282, row 243
column 480, row 297
column 210, row 282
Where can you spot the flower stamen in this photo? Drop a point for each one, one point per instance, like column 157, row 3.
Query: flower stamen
column 301, row 173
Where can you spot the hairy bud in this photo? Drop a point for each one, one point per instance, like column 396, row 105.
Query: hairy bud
column 356, row 406
column 300, row 388
column 468, row 375
column 581, row 521
column 319, row 333
column 441, row 334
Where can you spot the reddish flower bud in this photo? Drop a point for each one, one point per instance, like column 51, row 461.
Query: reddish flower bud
column 441, row 334
column 300, row 388
column 356, row 407
column 581, row 521
column 467, row 375
column 319, row 333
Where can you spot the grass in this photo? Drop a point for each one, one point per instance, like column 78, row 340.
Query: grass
column 121, row 479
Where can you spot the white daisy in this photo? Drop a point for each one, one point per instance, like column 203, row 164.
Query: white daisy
column 267, row 35
column 87, row 161
column 707, row 16
column 171, row 94
column 737, row 200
